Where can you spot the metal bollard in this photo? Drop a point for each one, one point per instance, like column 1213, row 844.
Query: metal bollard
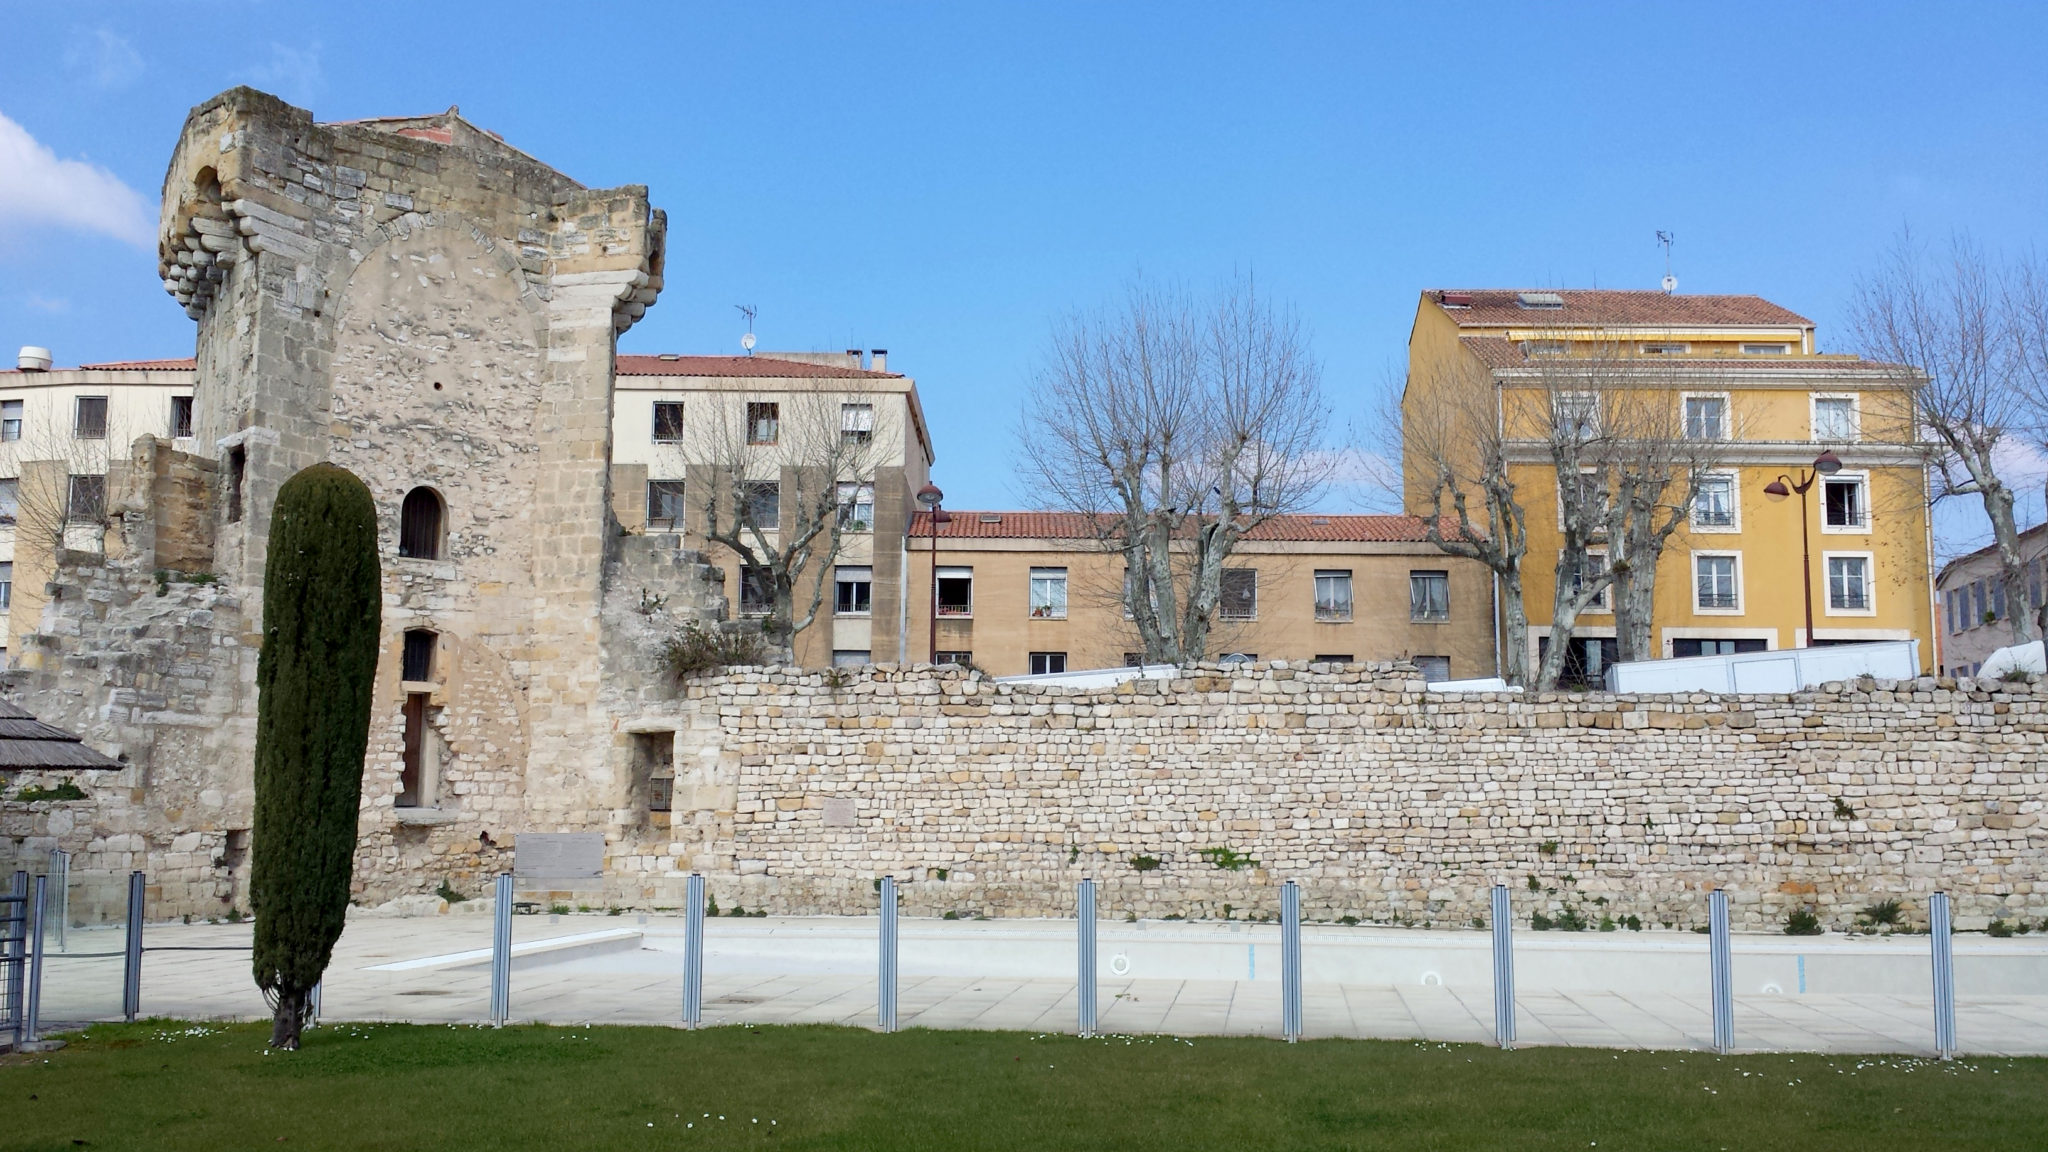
column 1938, row 931
column 60, row 896
column 693, row 952
column 1290, row 961
column 885, row 980
column 501, row 952
column 1722, row 966
column 1084, row 956
column 14, row 947
column 131, row 971
column 1503, row 968
column 34, row 1007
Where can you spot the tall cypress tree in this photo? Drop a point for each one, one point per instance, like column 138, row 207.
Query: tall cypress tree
column 321, row 601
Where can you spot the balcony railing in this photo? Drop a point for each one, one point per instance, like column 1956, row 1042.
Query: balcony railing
column 1717, row 599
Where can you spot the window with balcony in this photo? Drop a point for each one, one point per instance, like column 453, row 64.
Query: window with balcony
column 90, row 421
column 665, row 503
column 87, row 503
column 1049, row 594
column 1239, row 594
column 854, row 590
column 764, row 422
column 1714, row 587
column 1429, row 597
column 757, row 590
column 668, row 421
column 763, row 508
column 1843, row 503
column 181, row 417
column 1713, row 509
column 1849, row 584
column 857, row 423
column 956, row 591
column 856, row 507
column 1706, row 417
column 1333, row 595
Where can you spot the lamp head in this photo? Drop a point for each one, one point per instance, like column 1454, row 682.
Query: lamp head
column 1776, row 490
column 929, row 495
column 1827, row 463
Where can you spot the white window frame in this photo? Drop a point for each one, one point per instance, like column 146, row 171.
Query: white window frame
column 681, row 494
column 1598, row 416
column 1727, row 411
column 1692, row 575
column 1855, row 417
column 1224, row 614
column 1052, row 576
column 1604, row 606
column 1599, row 526
column 1350, row 595
column 13, row 412
column 857, row 421
column 862, row 495
column 1827, row 579
column 956, row 572
column 654, row 408
column 1767, row 348
column 1862, row 482
column 853, row 574
column 1664, row 348
column 1032, row 662
column 1413, row 575
column 1734, row 525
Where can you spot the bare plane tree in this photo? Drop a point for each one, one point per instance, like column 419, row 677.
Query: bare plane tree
column 1180, row 426
column 780, row 483
column 1976, row 327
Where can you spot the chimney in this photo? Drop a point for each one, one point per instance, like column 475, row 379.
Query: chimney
column 853, row 358
column 33, row 359
column 878, row 359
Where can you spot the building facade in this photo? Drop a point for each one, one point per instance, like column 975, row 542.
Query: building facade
column 1976, row 613
column 1736, row 384
column 1018, row 593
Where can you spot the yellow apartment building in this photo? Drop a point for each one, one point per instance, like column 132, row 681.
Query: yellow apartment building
column 1019, row 593
column 1744, row 376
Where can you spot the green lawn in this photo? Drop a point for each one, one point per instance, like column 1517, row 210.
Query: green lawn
column 167, row 1085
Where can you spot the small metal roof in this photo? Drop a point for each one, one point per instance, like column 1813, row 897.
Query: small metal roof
column 28, row 743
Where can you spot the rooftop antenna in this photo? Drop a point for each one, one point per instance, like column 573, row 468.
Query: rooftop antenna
column 749, row 311
column 1664, row 241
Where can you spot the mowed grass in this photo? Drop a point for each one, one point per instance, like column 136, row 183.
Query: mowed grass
column 172, row 1085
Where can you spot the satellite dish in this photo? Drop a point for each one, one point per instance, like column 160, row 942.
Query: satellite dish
column 747, row 341
column 1670, row 283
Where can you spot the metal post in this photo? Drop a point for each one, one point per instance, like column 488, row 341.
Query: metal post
column 1938, row 929
column 885, row 990
column 14, row 945
column 1290, row 961
column 501, row 952
column 1084, row 956
column 1503, row 968
column 35, row 960
column 1723, row 966
column 131, row 972
column 693, row 952
column 60, row 870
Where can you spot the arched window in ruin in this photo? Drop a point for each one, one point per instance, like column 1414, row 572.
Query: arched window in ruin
column 419, row 524
column 416, row 661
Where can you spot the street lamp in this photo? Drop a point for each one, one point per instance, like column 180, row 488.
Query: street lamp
column 930, row 496
column 1826, row 464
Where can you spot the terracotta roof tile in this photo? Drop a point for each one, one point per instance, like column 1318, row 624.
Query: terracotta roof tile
column 1499, row 352
column 1075, row 526
column 1493, row 306
column 185, row 365
column 742, row 366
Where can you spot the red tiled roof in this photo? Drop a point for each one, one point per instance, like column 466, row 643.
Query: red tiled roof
column 1075, row 526
column 749, row 366
column 1500, row 352
column 186, row 365
column 1491, row 306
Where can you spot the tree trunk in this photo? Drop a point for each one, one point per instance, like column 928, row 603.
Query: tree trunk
column 1634, row 604
column 289, row 1019
column 2012, row 571
column 1514, row 614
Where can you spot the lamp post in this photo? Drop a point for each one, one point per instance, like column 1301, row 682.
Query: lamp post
column 1826, row 464
column 930, row 496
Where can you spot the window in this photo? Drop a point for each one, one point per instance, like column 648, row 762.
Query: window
column 1334, row 658
column 1594, row 567
column 1134, row 659
column 857, row 423
column 661, row 793
column 1978, row 601
column 1998, row 600
column 757, row 590
column 10, row 500
column 1713, row 508
column 420, row 766
column 1714, row 583
column 90, row 422
column 10, row 419
column 1239, row 594
column 417, row 662
column 1543, row 348
column 764, row 422
column 419, row 524
column 238, row 472
column 963, row 659
column 88, row 500
column 1047, row 663
column 851, row 657
column 1766, row 349
column 857, row 507
column 956, row 591
column 1575, row 415
column 1954, row 599
column 1715, row 647
column 6, row 585
column 1049, row 596
column 1585, row 661
column 2034, row 573
column 665, row 502
column 1849, row 583
column 1333, row 595
column 181, row 417
column 1434, row 669
column 1429, row 596
column 854, row 590
column 763, row 508
column 1842, row 503
column 668, row 421
column 1706, row 417
column 1834, row 418
column 1666, row 349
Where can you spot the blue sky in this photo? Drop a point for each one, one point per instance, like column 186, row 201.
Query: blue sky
column 944, row 180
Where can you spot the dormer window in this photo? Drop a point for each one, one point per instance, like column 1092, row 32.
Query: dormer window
column 1544, row 300
column 1543, row 347
column 1666, row 349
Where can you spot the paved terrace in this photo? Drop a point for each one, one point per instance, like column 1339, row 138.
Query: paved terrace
column 1621, row 990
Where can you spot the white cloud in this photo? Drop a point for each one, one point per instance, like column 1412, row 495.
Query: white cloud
column 291, row 73
column 110, row 62
column 54, row 305
column 39, row 190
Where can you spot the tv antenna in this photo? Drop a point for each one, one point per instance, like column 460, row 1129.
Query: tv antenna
column 1664, row 241
column 749, row 311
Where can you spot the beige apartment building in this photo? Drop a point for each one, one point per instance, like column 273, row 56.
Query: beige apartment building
column 1018, row 593
column 1976, row 614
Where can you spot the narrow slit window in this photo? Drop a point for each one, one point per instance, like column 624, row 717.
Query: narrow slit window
column 417, row 662
column 238, row 471
column 181, row 417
